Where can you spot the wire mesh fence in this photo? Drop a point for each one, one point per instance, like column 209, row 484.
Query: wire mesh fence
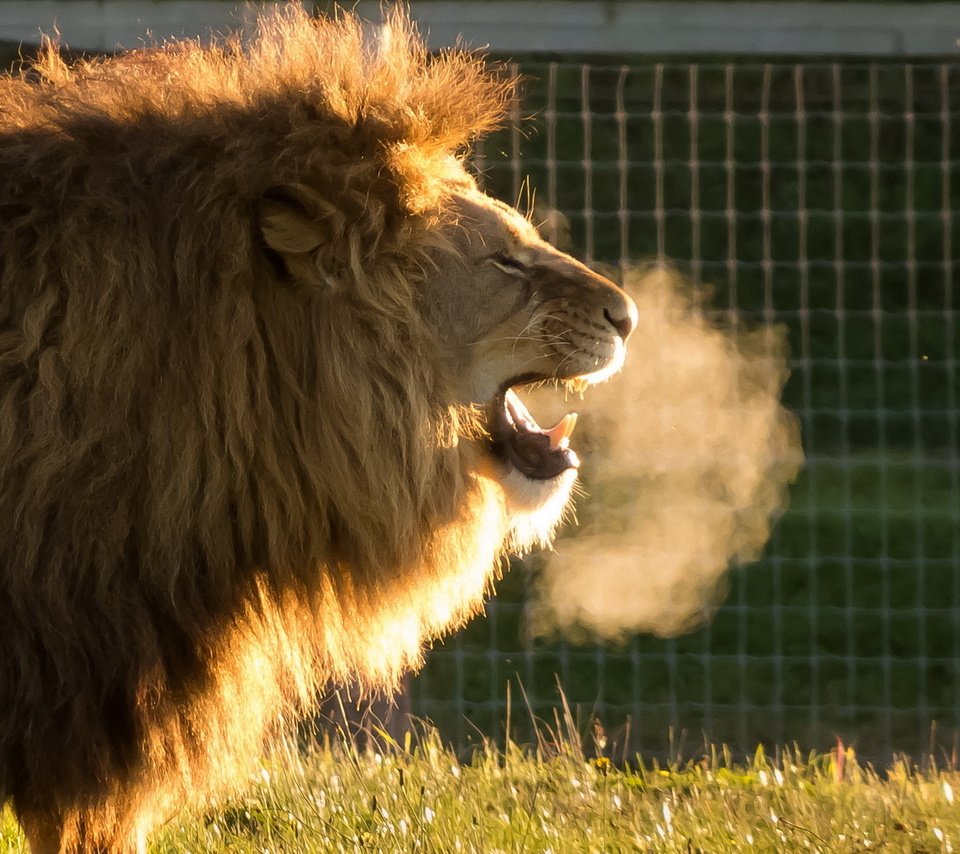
column 820, row 196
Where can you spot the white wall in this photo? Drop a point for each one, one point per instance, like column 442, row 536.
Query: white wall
column 514, row 26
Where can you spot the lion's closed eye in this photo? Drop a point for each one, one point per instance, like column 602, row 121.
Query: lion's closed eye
column 508, row 263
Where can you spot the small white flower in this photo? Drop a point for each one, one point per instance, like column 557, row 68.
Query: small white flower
column 428, row 815
column 948, row 792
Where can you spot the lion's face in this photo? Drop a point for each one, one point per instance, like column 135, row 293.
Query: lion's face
column 503, row 309
column 512, row 311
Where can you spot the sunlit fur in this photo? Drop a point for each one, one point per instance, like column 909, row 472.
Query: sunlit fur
column 230, row 468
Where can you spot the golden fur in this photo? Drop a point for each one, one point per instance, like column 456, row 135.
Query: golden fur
column 234, row 463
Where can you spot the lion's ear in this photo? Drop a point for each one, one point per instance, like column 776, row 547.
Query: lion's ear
column 289, row 219
column 327, row 228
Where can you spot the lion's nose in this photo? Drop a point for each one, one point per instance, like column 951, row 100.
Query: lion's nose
column 621, row 313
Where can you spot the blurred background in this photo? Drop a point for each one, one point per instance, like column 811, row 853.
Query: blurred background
column 802, row 159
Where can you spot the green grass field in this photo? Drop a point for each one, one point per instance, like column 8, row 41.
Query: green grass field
column 422, row 798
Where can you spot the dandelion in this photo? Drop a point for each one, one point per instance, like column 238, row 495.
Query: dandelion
column 602, row 764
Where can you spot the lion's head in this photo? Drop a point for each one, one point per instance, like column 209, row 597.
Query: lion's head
column 503, row 310
column 513, row 312
column 260, row 340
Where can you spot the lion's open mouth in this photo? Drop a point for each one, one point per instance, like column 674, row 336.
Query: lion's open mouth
column 521, row 442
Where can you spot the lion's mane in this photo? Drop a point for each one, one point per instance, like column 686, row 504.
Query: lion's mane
column 221, row 487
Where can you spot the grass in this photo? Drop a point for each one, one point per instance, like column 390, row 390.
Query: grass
column 420, row 797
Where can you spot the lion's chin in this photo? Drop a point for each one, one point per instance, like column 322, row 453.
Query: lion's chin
column 535, row 506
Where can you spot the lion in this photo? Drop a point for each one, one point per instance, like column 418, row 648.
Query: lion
column 261, row 340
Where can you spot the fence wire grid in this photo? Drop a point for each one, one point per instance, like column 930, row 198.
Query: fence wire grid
column 820, row 196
